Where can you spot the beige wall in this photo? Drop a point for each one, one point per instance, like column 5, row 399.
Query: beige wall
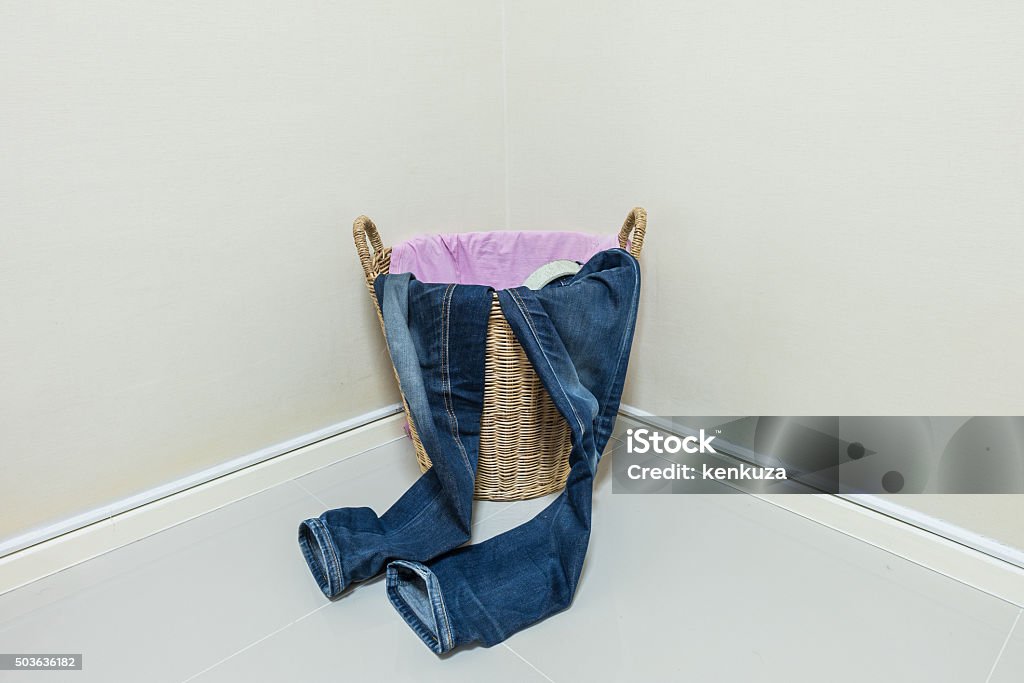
column 835, row 193
column 836, row 198
column 178, row 285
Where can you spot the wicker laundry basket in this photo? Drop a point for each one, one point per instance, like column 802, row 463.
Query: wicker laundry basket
column 524, row 441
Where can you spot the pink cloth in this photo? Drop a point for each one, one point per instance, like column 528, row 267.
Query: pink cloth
column 501, row 259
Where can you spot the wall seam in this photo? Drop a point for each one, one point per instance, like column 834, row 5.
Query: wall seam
column 504, row 110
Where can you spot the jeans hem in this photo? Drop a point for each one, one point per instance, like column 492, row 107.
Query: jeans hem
column 322, row 557
column 406, row 580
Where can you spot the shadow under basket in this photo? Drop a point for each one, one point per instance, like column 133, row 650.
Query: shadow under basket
column 524, row 440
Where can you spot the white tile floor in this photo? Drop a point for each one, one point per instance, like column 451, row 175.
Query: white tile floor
column 701, row 587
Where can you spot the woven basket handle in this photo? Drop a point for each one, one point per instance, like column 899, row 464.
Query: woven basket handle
column 362, row 229
column 633, row 231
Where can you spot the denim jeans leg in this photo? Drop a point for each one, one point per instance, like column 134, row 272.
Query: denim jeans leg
column 436, row 335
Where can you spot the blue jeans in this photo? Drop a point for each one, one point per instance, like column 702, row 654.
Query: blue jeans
column 577, row 335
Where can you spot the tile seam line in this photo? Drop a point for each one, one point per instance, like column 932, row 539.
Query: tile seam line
column 528, row 663
column 1006, row 643
column 253, row 644
column 308, row 492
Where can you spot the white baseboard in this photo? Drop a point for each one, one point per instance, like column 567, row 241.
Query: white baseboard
column 45, row 533
column 933, row 543
column 942, row 527
column 633, row 411
column 49, row 549
column 185, row 499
